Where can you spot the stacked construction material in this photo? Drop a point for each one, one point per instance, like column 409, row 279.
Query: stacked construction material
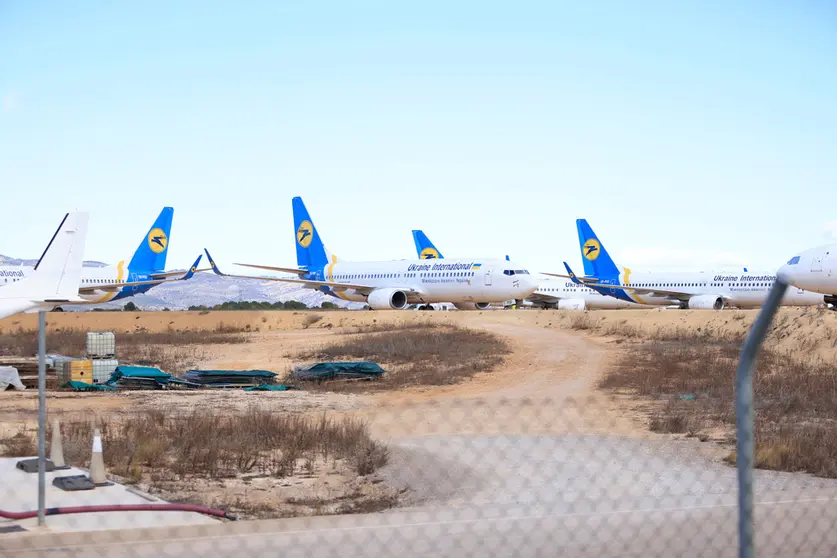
column 101, row 350
column 75, row 370
column 145, row 377
column 27, row 369
column 322, row 371
column 230, row 378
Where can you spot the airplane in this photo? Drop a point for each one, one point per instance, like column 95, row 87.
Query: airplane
column 55, row 278
column 393, row 284
column 814, row 270
column 551, row 293
column 145, row 270
column 700, row 291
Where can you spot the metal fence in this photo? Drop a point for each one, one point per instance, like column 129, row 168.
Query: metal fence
column 566, row 480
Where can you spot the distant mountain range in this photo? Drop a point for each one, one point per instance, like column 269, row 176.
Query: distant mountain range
column 206, row 289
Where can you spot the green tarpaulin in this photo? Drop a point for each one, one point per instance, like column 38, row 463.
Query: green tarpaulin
column 81, row 386
column 271, row 387
column 140, row 372
column 140, row 376
column 344, row 370
column 233, row 373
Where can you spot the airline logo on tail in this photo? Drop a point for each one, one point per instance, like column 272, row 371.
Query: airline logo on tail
column 305, row 234
column 429, row 254
column 157, row 241
column 591, row 249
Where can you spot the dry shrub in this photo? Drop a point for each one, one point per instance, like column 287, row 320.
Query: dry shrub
column 310, row 320
column 795, row 400
column 582, row 322
column 22, row 444
column 419, row 355
column 215, row 444
column 72, row 341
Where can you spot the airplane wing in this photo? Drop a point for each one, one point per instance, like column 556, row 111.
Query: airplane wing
column 282, row 269
column 364, row 289
column 310, row 283
column 175, row 273
column 650, row 291
column 112, row 287
column 543, row 297
column 584, row 280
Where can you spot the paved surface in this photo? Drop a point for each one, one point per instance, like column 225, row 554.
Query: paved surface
column 19, row 492
column 518, row 496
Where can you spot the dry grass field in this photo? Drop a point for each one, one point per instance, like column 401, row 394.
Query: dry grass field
column 637, row 373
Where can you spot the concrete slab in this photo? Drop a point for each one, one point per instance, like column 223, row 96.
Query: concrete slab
column 19, row 492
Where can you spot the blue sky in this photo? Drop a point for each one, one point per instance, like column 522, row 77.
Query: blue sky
column 689, row 134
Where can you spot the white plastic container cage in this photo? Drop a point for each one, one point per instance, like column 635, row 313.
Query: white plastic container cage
column 101, row 344
column 103, row 368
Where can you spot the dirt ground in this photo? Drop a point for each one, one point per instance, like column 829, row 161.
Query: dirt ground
column 546, row 386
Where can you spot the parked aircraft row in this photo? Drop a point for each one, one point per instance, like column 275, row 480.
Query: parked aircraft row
column 58, row 279
column 470, row 284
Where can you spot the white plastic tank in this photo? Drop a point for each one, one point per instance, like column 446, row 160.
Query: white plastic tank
column 103, row 368
column 101, row 344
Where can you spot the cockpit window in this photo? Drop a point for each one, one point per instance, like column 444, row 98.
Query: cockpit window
column 521, row 272
column 508, row 272
column 794, row 260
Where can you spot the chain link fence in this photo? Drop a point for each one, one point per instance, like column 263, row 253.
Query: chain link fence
column 492, row 474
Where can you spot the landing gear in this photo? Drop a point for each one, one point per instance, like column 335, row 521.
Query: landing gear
column 830, row 301
column 57, row 309
column 425, row 307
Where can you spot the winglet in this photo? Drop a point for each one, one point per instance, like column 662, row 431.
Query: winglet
column 212, row 263
column 507, row 258
column 193, row 269
column 571, row 274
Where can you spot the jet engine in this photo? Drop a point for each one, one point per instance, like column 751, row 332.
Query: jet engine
column 706, row 302
column 472, row 305
column 387, row 299
column 572, row 304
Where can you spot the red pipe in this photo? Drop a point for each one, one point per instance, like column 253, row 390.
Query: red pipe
column 114, row 508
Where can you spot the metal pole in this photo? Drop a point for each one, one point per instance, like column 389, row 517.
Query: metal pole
column 41, row 418
column 744, row 417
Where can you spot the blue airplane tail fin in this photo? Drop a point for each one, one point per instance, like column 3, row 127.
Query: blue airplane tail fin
column 152, row 251
column 596, row 260
column 425, row 248
column 311, row 254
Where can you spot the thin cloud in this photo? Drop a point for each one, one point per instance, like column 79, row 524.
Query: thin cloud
column 10, row 101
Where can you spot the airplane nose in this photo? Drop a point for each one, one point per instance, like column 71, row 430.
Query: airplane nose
column 529, row 284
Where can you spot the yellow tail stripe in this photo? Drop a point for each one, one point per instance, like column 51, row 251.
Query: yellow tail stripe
column 120, row 276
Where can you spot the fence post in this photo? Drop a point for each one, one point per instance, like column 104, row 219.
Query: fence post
column 41, row 418
column 745, row 430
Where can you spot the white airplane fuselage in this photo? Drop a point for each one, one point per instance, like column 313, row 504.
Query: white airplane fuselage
column 742, row 290
column 110, row 275
column 460, row 280
column 565, row 294
column 814, row 270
